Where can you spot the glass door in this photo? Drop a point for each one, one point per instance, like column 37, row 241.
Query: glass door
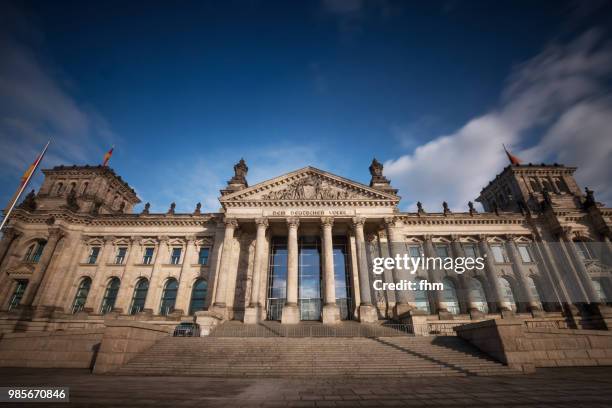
column 309, row 278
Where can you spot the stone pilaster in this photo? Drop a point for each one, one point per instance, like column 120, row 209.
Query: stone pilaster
column 183, row 294
column 403, row 303
column 430, row 252
column 291, row 313
column 367, row 311
column 492, row 277
column 220, row 304
column 468, row 298
column 580, row 269
column 8, row 245
column 153, row 296
column 253, row 312
column 520, row 273
column 125, row 290
column 331, row 312
column 98, row 286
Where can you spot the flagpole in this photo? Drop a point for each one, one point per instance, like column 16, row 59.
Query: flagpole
column 21, row 190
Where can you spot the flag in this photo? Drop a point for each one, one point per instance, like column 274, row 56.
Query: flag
column 513, row 159
column 25, row 179
column 107, row 156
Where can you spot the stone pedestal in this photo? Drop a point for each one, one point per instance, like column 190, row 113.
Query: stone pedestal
column 291, row 314
column 401, row 311
column 252, row 315
column 507, row 314
column 445, row 315
column 418, row 320
column 331, row 314
column 368, row 314
column 207, row 320
column 476, row 314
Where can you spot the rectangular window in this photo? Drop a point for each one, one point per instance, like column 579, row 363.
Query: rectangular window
column 120, row 258
column 414, row 251
column 18, row 294
column 524, row 251
column 147, row 258
column 498, row 253
column 442, row 251
column 93, row 255
column 175, row 258
column 203, row 256
column 470, row 251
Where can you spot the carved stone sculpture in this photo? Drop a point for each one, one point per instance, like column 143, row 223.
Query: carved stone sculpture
column 198, row 209
column 146, row 208
column 172, row 208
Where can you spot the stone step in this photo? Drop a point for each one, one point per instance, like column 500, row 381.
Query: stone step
column 358, row 357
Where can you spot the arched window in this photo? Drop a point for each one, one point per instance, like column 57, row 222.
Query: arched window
column 477, row 294
column 110, row 295
column 34, row 251
column 508, row 296
column 198, row 296
column 169, row 297
column 420, row 297
column 60, row 188
column 72, row 187
column 449, row 296
column 140, row 295
column 81, row 295
column 85, row 185
column 533, row 288
column 599, row 290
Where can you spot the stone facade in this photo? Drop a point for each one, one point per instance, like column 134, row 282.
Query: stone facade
column 300, row 247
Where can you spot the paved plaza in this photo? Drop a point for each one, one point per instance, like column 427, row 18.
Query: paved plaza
column 573, row 387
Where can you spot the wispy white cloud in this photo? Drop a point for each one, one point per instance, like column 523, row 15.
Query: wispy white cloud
column 36, row 106
column 563, row 94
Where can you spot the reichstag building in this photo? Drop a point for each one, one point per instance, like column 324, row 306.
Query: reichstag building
column 299, row 247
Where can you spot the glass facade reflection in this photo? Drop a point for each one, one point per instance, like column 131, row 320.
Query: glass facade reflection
column 309, row 278
column 342, row 278
column 277, row 278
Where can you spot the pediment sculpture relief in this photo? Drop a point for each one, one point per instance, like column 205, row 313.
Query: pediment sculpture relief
column 309, row 188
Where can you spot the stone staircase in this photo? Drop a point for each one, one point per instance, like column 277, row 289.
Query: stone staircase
column 348, row 357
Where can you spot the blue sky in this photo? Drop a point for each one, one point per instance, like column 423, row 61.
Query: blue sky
column 430, row 89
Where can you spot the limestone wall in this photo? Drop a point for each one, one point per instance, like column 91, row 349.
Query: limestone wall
column 60, row 349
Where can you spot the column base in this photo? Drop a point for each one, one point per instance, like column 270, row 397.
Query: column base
column 368, row 314
column 252, row 315
column 445, row 315
column 291, row 314
column 476, row 314
column 536, row 311
column 220, row 310
column 402, row 310
column 331, row 313
column 507, row 314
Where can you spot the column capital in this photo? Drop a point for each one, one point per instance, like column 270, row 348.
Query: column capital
column 231, row 223
column 136, row 239
column 190, row 238
column 293, row 222
column 358, row 221
column 55, row 233
column 163, row 238
column 262, row 222
column 11, row 232
column 391, row 221
column 327, row 222
column 482, row 238
column 455, row 237
column 108, row 239
column 427, row 237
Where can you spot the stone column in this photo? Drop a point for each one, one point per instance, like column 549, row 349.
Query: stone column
column 581, row 273
column 331, row 312
column 153, row 295
column 252, row 314
column 458, row 252
column 10, row 234
column 220, row 304
column 8, row 246
column 96, row 293
column 403, row 303
column 367, row 311
column 39, row 277
column 492, row 277
column 430, row 252
column 533, row 305
column 183, row 293
column 291, row 313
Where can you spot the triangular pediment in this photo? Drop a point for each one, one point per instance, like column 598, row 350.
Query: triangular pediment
column 309, row 185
